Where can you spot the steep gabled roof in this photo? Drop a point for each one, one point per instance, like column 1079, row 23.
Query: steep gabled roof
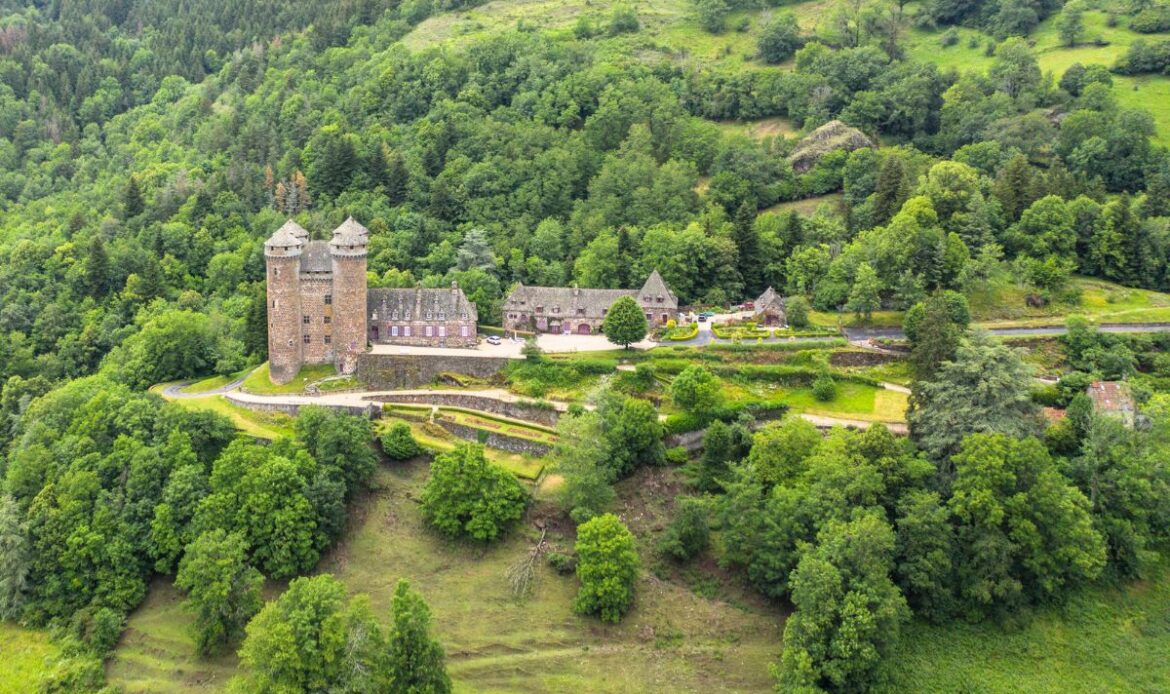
column 316, row 257
column 769, row 298
column 655, row 287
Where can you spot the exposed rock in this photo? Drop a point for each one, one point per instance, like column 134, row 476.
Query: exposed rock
column 830, row 137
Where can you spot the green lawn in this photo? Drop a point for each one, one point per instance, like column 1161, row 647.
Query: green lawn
column 833, row 202
column 25, row 654
column 259, row 383
column 1004, row 305
column 853, row 401
column 438, row 439
column 1104, row 640
column 264, row 425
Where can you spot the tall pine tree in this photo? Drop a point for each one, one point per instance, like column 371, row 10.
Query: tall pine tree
column 747, row 242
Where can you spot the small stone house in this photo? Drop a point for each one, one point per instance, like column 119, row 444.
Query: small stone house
column 770, row 310
column 570, row 310
column 1113, row 399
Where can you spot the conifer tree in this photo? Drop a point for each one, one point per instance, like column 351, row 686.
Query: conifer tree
column 132, row 202
column 397, row 179
column 414, row 660
column 747, row 242
column 97, row 267
column 892, row 189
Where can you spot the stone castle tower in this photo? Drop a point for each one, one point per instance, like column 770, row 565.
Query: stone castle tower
column 316, row 299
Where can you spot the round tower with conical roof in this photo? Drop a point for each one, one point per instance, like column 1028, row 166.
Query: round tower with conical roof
column 282, row 253
column 348, row 252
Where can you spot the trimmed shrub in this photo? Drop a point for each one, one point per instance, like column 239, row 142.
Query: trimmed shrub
column 398, row 442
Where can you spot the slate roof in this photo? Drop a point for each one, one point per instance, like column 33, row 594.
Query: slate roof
column 350, row 233
column 315, row 257
column 768, row 298
column 285, row 236
column 451, row 302
column 655, row 287
column 595, row 302
column 295, row 229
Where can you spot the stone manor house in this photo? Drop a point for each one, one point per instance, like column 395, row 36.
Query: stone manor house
column 321, row 311
column 574, row 310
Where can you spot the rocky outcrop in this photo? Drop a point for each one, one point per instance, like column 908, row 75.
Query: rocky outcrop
column 830, row 137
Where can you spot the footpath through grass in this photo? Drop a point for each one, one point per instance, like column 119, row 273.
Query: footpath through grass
column 25, row 654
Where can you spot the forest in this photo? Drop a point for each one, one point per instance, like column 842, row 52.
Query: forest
column 148, row 148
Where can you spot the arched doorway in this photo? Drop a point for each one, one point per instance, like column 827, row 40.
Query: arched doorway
column 584, row 329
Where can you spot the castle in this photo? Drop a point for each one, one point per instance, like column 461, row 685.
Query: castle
column 321, row 311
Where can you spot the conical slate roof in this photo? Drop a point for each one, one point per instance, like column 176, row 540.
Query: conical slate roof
column 350, row 233
column 287, row 236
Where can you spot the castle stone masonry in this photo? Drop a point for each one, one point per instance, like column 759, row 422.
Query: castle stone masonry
column 320, row 310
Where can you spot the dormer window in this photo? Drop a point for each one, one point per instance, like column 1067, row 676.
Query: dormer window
column 540, row 309
column 428, row 315
column 580, row 312
column 328, row 299
column 463, row 316
column 406, row 316
column 442, row 315
column 556, row 309
column 395, row 315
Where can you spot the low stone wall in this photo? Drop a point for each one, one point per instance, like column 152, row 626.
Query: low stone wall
column 400, row 371
column 470, row 401
column 860, row 358
column 494, row 439
column 373, row 411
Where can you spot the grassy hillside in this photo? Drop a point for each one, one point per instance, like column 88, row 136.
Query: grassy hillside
column 24, row 654
column 692, row 632
column 1151, row 93
column 1103, row 640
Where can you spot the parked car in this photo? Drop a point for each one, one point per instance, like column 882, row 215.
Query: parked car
column 702, row 317
column 493, row 339
column 749, row 306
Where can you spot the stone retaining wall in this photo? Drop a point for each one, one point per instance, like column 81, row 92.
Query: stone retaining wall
column 495, row 439
column 470, row 401
column 373, row 411
column 859, row 358
column 403, row 371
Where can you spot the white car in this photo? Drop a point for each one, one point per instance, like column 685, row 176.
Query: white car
column 493, row 340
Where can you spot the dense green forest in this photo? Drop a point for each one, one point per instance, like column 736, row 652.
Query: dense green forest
column 148, row 148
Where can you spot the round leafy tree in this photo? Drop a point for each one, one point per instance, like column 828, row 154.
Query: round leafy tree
column 607, row 565
column 696, row 390
column 223, row 590
column 466, row 495
column 398, row 443
column 625, row 323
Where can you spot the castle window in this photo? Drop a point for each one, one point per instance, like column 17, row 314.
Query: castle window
column 463, row 316
column 274, row 303
column 406, row 330
column 328, row 320
column 580, row 312
column 328, row 339
column 430, row 331
column 428, row 315
column 305, row 319
column 305, row 339
column 463, row 331
column 328, row 299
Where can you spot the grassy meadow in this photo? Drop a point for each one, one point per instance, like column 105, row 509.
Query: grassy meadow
column 24, row 655
column 674, row 639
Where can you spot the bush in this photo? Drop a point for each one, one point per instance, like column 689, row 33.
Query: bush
column 688, row 535
column 607, row 565
column 824, row 388
column 562, row 563
column 677, row 456
column 398, row 442
column 468, row 496
column 623, row 21
column 798, row 310
column 949, row 38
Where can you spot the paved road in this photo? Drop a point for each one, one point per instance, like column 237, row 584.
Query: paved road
column 706, row 337
column 175, row 390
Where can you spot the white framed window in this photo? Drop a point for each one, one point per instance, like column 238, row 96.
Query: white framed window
column 463, row 331
column 406, row 331
column 442, row 331
column 394, row 331
column 430, row 331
